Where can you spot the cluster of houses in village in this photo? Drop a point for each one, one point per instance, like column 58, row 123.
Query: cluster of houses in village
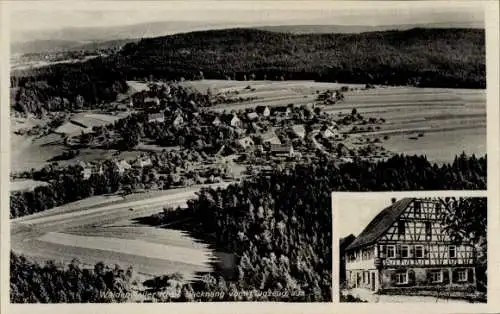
column 119, row 166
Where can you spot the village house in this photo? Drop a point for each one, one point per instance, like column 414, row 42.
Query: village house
column 151, row 101
column 235, row 122
column 281, row 150
column 121, row 166
column 252, row 116
column 142, row 162
column 158, row 116
column 246, row 142
column 216, row 121
column 263, row 111
column 99, row 170
column 270, row 137
column 406, row 248
column 343, row 244
column 178, row 120
column 328, row 132
column 299, row 130
column 282, row 111
column 86, row 172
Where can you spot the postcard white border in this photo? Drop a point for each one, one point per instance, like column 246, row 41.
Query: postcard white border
column 492, row 31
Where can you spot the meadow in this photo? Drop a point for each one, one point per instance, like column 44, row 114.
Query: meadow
column 105, row 224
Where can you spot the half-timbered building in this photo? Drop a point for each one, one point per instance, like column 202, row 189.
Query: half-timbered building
column 406, row 247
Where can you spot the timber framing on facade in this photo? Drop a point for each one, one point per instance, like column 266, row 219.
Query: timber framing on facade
column 405, row 248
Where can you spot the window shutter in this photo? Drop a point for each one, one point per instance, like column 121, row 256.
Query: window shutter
column 411, row 277
column 446, row 276
column 393, row 278
column 428, row 276
column 470, row 275
column 454, row 276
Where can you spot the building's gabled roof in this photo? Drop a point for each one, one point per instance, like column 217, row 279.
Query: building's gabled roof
column 261, row 109
column 281, row 148
column 346, row 241
column 252, row 115
column 380, row 224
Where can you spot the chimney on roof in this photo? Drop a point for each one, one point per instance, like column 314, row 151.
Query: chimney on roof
column 393, row 200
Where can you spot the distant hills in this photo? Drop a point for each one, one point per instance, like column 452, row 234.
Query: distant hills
column 74, row 38
column 351, row 29
column 53, row 46
column 441, row 57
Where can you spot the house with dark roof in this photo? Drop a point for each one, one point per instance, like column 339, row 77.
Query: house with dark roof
column 216, row 121
column 270, row 137
column 156, row 116
column 263, row 111
column 406, row 249
column 252, row 116
column 343, row 244
column 281, row 150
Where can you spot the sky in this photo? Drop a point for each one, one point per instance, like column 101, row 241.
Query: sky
column 354, row 213
column 53, row 15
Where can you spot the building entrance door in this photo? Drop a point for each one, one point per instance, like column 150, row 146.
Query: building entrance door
column 373, row 281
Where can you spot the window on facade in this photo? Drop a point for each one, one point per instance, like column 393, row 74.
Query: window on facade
column 462, row 275
column 391, row 251
column 402, row 278
column 417, row 208
column 401, row 227
column 452, row 251
column 405, row 251
column 438, row 209
column 419, row 251
column 428, row 229
column 437, row 276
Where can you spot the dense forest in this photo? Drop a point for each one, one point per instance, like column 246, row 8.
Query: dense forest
column 417, row 57
column 31, row 282
column 281, row 231
column 420, row 57
column 62, row 86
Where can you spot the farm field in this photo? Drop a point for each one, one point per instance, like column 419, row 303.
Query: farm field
column 450, row 121
column 103, row 229
column 35, row 152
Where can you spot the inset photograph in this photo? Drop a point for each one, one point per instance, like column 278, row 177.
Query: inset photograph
column 395, row 247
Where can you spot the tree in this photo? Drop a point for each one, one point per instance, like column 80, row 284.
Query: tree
column 465, row 221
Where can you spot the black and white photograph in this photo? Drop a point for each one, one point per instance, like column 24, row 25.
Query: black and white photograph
column 186, row 151
column 412, row 249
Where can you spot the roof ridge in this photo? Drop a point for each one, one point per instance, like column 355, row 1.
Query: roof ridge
column 374, row 229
